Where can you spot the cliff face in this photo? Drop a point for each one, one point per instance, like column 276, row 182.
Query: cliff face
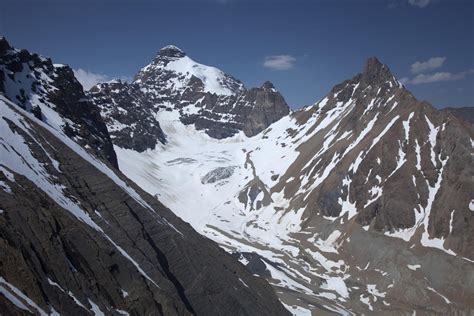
column 395, row 164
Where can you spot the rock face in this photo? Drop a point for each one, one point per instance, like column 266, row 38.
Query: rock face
column 77, row 237
column 269, row 107
column 129, row 115
column 200, row 95
column 52, row 93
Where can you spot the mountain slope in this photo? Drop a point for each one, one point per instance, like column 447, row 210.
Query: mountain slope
column 204, row 97
column 52, row 93
column 402, row 155
column 359, row 203
column 77, row 237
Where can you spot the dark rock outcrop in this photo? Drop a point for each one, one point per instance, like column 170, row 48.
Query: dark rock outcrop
column 268, row 107
column 254, row 263
column 52, row 93
column 129, row 115
column 375, row 72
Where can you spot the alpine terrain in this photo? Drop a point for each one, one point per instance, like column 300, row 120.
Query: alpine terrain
column 185, row 192
column 360, row 203
column 76, row 236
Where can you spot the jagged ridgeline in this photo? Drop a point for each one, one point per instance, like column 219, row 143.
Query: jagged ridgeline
column 76, row 236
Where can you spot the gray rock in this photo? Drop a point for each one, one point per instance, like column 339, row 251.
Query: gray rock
column 218, row 174
column 376, row 96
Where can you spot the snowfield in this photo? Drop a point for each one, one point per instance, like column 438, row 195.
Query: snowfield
column 215, row 209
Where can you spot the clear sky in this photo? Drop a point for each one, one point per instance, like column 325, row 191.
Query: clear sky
column 303, row 47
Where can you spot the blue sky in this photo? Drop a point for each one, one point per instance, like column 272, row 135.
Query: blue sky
column 303, row 47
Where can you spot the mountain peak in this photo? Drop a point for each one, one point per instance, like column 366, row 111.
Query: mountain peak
column 4, row 46
column 267, row 85
column 375, row 71
column 172, row 51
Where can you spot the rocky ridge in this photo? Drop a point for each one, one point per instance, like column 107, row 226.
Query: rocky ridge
column 52, row 93
column 393, row 160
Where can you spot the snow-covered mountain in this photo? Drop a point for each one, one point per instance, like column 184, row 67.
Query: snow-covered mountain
column 79, row 238
column 360, row 203
column 203, row 96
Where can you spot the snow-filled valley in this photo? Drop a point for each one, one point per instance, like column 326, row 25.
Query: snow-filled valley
column 232, row 191
column 230, row 210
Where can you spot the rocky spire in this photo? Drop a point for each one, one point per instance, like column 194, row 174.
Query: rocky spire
column 171, row 51
column 4, row 46
column 267, row 85
column 375, row 72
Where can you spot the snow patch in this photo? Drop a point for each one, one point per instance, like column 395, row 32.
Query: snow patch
column 413, row 267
